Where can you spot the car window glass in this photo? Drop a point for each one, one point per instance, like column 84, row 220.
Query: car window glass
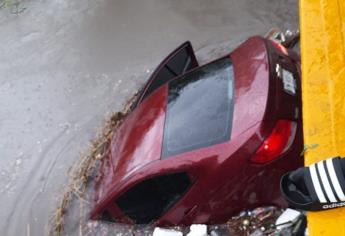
column 177, row 65
column 150, row 199
column 199, row 109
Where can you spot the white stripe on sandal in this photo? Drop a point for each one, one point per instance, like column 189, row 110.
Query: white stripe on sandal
column 325, row 182
column 334, row 180
column 316, row 184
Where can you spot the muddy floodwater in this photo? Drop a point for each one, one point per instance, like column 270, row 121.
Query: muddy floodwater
column 67, row 65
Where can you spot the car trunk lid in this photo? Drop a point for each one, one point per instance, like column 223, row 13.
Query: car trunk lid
column 252, row 78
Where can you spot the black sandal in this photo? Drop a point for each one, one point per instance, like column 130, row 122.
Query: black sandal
column 320, row 186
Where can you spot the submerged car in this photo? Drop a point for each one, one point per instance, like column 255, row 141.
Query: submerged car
column 205, row 142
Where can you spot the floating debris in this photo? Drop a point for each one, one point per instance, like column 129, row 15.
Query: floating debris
column 198, row 230
column 166, row 232
column 84, row 170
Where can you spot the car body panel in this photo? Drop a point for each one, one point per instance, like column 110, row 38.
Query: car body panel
column 251, row 85
column 224, row 180
column 136, row 143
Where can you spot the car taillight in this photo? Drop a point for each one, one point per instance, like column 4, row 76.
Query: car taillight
column 280, row 47
column 277, row 143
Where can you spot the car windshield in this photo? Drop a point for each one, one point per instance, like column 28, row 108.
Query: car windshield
column 199, row 109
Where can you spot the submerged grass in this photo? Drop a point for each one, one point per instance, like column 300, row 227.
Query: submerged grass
column 85, row 168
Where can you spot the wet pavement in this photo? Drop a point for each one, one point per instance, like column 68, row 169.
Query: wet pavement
column 66, row 65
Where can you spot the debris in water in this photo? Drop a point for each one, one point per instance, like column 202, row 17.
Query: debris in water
column 84, row 169
column 166, row 232
column 198, row 230
column 288, row 218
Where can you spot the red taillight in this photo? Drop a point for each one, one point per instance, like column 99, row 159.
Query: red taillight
column 277, row 143
column 280, row 47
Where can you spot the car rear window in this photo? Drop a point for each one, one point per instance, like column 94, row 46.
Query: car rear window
column 150, row 199
column 199, row 109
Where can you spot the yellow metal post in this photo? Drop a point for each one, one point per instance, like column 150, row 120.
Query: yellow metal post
column 323, row 93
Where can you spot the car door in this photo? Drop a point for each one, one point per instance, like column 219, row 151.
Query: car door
column 177, row 63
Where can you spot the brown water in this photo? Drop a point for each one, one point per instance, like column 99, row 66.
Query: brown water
column 66, row 65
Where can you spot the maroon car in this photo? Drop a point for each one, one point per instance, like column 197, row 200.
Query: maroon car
column 205, row 142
